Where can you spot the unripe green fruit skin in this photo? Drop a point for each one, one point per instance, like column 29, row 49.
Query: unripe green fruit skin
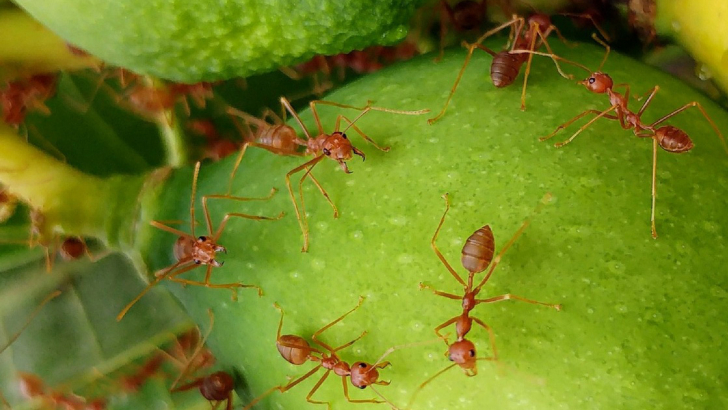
column 642, row 319
column 210, row 40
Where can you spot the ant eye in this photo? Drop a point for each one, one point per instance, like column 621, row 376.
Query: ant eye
column 326, row 152
column 472, row 353
column 201, row 239
column 362, row 387
column 343, row 135
column 362, row 365
column 197, row 261
column 592, row 80
column 450, row 358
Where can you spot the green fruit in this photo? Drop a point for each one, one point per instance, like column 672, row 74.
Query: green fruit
column 642, row 320
column 194, row 41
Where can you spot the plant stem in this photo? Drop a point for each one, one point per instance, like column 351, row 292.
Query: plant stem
column 71, row 202
column 27, row 47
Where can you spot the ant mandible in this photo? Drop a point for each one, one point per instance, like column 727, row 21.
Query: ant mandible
column 528, row 34
column 296, row 350
column 192, row 251
column 667, row 137
column 477, row 255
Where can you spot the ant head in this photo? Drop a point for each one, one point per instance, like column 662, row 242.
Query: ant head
column 217, row 386
column 462, row 352
column 363, row 375
column 72, row 248
column 543, row 21
column 338, row 147
column 598, row 82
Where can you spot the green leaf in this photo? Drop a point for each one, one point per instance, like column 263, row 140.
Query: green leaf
column 74, row 339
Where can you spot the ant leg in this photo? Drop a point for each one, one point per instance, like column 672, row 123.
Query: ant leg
column 594, row 22
column 567, row 123
column 201, row 345
column 315, row 388
column 282, row 389
column 444, row 325
column 191, row 385
column 231, row 286
column 337, row 320
column 287, row 105
column 345, row 345
column 533, row 31
column 426, row 382
column 302, row 220
column 227, row 216
column 438, row 293
column 437, row 251
column 324, row 193
column 544, row 201
column 195, row 174
column 360, row 132
column 471, row 50
column 583, row 127
column 350, row 400
column 159, row 277
column 702, row 111
column 654, row 187
column 164, row 227
column 491, row 336
column 508, row 296
column 548, row 48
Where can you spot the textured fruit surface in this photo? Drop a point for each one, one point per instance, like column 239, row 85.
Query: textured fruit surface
column 211, row 40
column 642, row 318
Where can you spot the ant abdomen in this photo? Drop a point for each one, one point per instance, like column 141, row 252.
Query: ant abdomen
column 478, row 250
column 217, row 386
column 505, row 68
column 673, row 139
column 295, row 355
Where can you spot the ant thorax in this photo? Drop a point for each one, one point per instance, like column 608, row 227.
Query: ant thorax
column 204, row 251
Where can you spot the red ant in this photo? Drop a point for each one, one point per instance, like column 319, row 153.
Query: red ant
column 8, row 203
column 192, row 251
column 296, row 350
column 529, row 34
column 466, row 15
column 17, row 334
column 477, row 255
column 335, row 146
column 217, row 387
column 20, row 96
column 32, row 386
column 216, row 147
column 667, row 137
